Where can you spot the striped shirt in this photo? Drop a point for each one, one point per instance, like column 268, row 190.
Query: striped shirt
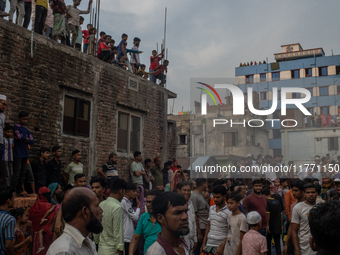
column 219, row 224
column 8, row 144
column 7, row 227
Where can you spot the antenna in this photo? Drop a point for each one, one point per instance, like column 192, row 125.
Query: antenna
column 164, row 40
column 98, row 20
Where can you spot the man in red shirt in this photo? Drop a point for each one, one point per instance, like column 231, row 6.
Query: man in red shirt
column 154, row 63
column 159, row 72
column 104, row 49
column 85, row 36
column 257, row 202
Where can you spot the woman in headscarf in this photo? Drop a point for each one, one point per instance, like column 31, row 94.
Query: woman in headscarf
column 55, row 188
column 37, row 213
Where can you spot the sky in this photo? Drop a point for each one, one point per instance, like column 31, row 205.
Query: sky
column 208, row 39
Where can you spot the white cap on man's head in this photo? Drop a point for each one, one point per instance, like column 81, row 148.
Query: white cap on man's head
column 253, row 218
column 249, row 156
column 3, row 97
column 336, row 180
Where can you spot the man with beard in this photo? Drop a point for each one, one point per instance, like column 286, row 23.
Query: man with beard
column 257, row 202
column 300, row 226
column 147, row 226
column 170, row 209
column 111, row 240
column 184, row 188
column 83, row 215
column 218, row 223
column 108, row 170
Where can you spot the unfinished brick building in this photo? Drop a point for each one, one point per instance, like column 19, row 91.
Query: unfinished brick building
column 79, row 102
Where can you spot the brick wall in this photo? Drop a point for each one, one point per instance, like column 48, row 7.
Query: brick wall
column 39, row 85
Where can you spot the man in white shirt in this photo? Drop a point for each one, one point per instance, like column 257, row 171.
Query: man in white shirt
column 83, row 215
column 129, row 214
column 218, row 223
column 299, row 223
column 135, row 62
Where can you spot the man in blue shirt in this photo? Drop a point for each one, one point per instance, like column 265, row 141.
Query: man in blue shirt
column 7, row 221
column 22, row 138
column 147, row 225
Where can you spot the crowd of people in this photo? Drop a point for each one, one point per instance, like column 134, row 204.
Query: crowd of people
column 163, row 209
column 251, row 63
column 323, row 120
column 55, row 20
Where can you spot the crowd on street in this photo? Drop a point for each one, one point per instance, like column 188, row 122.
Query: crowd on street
column 163, row 209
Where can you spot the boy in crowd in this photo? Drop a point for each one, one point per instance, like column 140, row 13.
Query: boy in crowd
column 102, row 37
column 22, row 138
column 39, row 168
column 122, row 51
column 141, row 72
column 274, row 221
column 299, row 224
column 159, row 72
column 3, row 105
column 80, row 180
column 7, row 221
column 129, row 214
column 237, row 226
column 7, row 163
column 135, row 61
column 104, row 50
column 73, row 21
column 86, row 35
column 218, row 222
column 98, row 186
column 154, row 63
column 253, row 242
column 80, row 35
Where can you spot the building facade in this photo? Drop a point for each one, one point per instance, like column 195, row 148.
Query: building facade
column 295, row 67
column 311, row 142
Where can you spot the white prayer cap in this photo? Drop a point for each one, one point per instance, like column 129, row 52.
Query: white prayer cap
column 3, row 97
column 253, row 218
